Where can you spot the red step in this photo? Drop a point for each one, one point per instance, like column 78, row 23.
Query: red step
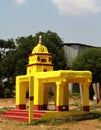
column 17, row 118
column 21, row 115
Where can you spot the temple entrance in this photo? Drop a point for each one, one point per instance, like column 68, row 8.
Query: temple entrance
column 75, row 96
column 50, row 96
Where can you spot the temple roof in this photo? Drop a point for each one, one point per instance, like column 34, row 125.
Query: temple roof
column 40, row 48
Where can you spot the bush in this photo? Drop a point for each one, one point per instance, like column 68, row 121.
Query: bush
column 7, row 93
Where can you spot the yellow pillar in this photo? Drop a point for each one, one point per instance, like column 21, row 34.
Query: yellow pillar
column 17, row 93
column 66, row 97
column 31, row 98
column 38, row 95
column 86, row 96
column 20, row 94
column 59, row 96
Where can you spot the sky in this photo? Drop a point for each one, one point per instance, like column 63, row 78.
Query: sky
column 75, row 21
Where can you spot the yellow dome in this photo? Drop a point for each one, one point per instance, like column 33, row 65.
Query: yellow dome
column 40, row 49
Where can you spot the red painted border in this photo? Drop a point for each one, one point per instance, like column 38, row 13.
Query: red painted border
column 43, row 60
column 39, row 64
column 21, row 106
column 38, row 107
column 62, row 108
column 31, row 98
column 59, row 108
column 49, row 54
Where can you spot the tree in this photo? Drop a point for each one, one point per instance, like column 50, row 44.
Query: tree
column 5, row 64
column 5, row 46
column 89, row 60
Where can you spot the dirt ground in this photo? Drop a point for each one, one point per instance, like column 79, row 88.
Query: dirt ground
column 93, row 124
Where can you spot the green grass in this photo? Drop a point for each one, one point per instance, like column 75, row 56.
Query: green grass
column 75, row 104
column 51, row 122
column 74, row 95
column 99, row 127
column 40, row 121
column 72, row 121
column 2, row 110
column 57, row 122
column 96, row 114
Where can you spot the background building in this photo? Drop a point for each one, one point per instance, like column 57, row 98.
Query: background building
column 72, row 50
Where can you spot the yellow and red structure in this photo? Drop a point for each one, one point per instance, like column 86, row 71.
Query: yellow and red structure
column 40, row 75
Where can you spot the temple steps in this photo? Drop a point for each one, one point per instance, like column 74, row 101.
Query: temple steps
column 21, row 115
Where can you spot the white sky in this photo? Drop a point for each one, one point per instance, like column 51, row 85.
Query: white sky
column 77, row 7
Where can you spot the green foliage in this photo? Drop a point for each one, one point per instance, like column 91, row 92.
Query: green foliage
column 2, row 110
column 41, row 121
column 89, row 60
column 74, row 95
column 76, row 104
column 57, row 122
column 7, row 93
column 6, row 64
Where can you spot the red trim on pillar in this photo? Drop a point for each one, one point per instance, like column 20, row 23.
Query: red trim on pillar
column 21, row 106
column 86, row 108
column 59, row 108
column 38, row 107
column 31, row 98
column 62, row 108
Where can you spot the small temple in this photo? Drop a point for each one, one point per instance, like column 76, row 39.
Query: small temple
column 40, row 75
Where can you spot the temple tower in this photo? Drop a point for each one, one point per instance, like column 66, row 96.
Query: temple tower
column 40, row 60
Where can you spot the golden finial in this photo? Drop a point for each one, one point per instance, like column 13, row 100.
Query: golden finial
column 40, row 39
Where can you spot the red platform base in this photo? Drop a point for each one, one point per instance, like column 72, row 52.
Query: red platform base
column 21, row 106
column 62, row 108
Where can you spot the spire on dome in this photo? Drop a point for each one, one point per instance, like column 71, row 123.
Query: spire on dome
column 40, row 39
